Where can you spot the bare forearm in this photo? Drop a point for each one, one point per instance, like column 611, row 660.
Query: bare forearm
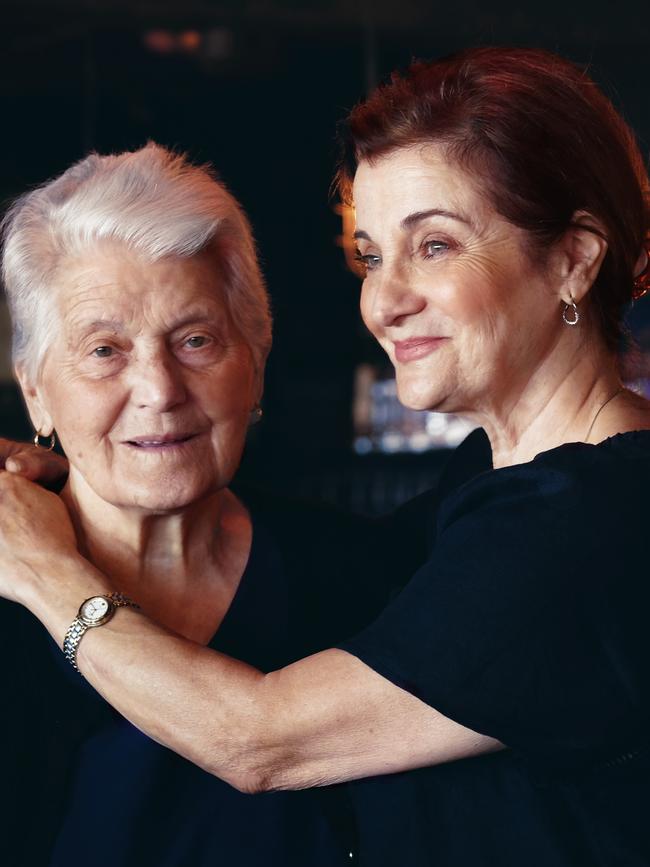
column 325, row 719
column 203, row 705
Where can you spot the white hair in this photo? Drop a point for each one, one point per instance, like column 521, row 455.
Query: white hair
column 151, row 200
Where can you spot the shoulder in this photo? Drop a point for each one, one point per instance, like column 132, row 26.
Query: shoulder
column 605, row 483
column 529, row 620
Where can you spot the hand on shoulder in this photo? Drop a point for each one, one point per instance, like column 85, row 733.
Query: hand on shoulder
column 33, row 463
column 35, row 529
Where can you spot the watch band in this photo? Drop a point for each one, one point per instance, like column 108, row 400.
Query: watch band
column 82, row 622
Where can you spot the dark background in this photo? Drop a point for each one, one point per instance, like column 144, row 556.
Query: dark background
column 257, row 89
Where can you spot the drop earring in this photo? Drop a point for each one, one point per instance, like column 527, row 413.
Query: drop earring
column 574, row 317
column 38, row 436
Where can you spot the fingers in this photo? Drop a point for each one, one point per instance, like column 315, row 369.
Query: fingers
column 32, row 463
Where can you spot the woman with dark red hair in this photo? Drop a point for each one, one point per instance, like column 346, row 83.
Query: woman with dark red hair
column 501, row 228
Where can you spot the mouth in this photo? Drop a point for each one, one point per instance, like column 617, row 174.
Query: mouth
column 416, row 347
column 156, row 442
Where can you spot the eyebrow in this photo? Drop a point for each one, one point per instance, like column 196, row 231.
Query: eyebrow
column 117, row 327
column 417, row 217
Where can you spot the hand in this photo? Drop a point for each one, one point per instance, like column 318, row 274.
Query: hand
column 35, row 531
column 26, row 460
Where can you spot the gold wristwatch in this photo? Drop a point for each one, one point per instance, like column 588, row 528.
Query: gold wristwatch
column 94, row 611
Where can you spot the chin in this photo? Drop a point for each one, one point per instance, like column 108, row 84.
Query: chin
column 159, row 499
column 433, row 387
column 419, row 398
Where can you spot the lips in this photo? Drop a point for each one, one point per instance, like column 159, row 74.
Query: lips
column 416, row 347
column 159, row 441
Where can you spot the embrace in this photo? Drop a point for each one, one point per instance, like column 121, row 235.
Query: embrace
column 475, row 666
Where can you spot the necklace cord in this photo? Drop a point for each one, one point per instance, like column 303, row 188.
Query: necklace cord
column 600, row 409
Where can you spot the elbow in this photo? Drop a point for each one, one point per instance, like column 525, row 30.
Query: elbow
column 254, row 782
column 278, row 775
column 248, row 761
column 255, row 750
column 258, row 767
column 250, row 778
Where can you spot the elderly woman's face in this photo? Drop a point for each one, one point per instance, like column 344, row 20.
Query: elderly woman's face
column 147, row 384
column 451, row 291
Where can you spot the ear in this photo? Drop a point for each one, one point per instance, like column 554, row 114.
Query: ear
column 34, row 399
column 580, row 253
column 257, row 389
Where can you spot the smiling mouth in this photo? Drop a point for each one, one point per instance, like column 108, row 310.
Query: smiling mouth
column 416, row 347
column 163, row 442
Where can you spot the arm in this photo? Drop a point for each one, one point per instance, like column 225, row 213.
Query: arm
column 324, row 719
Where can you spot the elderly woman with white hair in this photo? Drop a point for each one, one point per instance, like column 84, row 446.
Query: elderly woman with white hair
column 141, row 328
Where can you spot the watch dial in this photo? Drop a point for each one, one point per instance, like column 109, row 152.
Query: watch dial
column 94, row 609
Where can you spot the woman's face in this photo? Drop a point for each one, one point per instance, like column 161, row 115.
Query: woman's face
column 147, row 384
column 451, row 291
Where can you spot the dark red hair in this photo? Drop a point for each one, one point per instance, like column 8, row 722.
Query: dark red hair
column 545, row 141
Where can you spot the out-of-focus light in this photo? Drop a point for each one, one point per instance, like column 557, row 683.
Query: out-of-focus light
column 363, row 445
column 218, row 44
column 214, row 44
column 189, row 40
column 160, row 41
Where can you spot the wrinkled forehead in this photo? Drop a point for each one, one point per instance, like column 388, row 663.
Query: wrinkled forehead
column 415, row 179
column 114, row 284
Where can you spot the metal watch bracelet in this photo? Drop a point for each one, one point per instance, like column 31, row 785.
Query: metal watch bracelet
column 94, row 611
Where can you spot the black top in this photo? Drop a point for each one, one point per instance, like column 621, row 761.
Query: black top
column 528, row 623
column 80, row 785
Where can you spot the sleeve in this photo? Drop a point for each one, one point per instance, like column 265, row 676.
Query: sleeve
column 528, row 622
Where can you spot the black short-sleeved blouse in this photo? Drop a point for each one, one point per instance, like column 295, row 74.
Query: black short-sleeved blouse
column 530, row 623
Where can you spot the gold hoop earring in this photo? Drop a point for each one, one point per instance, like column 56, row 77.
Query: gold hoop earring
column 575, row 315
column 37, row 441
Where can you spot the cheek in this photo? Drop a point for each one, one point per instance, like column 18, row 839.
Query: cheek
column 469, row 293
column 365, row 305
column 84, row 413
column 227, row 395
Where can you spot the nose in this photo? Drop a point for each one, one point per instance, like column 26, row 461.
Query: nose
column 388, row 298
column 157, row 381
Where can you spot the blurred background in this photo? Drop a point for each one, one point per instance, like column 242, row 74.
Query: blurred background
column 256, row 87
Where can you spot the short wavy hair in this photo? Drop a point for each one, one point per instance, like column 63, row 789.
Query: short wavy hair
column 153, row 201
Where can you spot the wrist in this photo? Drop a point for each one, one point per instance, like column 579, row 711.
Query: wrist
column 93, row 612
column 58, row 587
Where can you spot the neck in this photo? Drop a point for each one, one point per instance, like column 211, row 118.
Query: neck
column 556, row 404
column 170, row 563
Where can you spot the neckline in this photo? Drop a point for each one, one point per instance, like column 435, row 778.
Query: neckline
column 640, row 433
column 473, row 456
column 241, row 591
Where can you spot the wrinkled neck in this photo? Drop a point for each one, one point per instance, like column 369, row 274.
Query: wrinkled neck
column 555, row 404
column 163, row 549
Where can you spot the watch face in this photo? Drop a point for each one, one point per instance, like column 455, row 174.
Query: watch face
column 95, row 609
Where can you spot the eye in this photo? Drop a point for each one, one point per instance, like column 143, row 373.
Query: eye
column 367, row 261
column 431, row 249
column 196, row 341
column 102, row 351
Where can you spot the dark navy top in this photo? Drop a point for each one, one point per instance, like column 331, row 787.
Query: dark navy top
column 81, row 785
column 529, row 623
column 165, row 811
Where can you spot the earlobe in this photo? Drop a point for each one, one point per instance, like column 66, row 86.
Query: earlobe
column 38, row 413
column 584, row 246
